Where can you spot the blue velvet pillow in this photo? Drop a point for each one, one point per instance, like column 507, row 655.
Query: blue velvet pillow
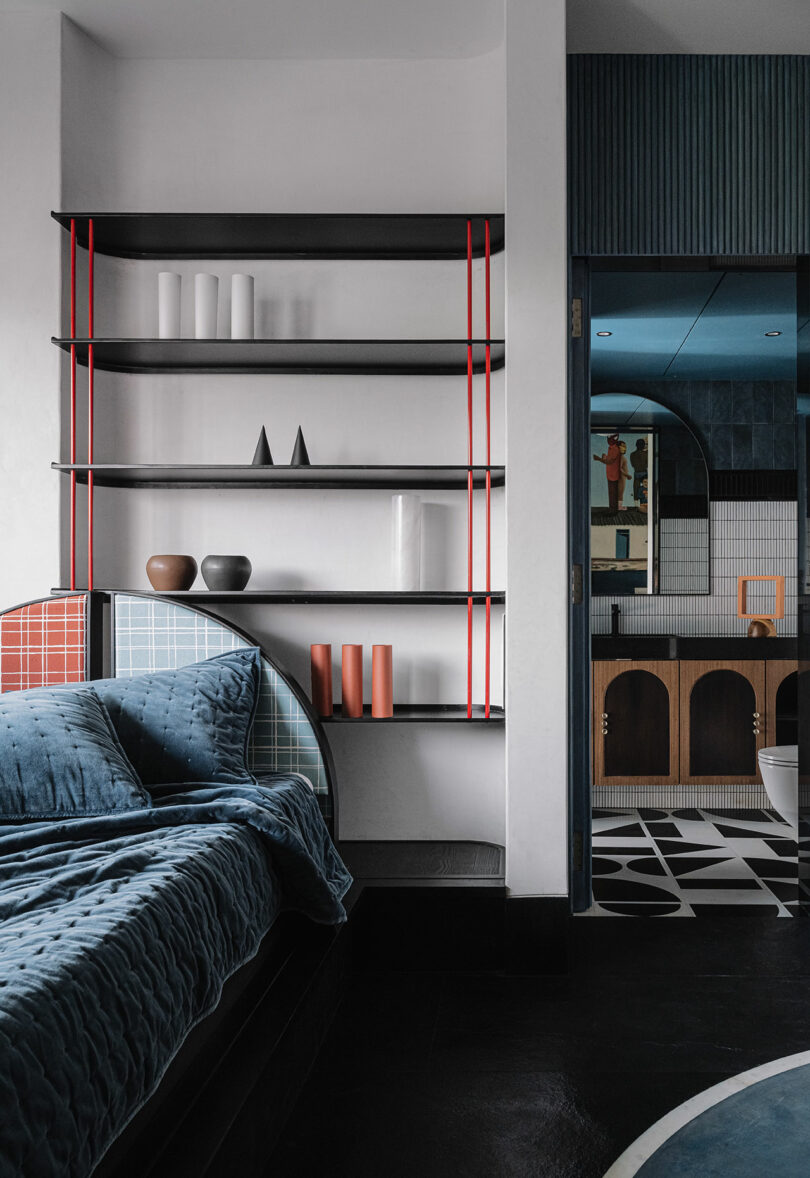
column 60, row 757
column 191, row 724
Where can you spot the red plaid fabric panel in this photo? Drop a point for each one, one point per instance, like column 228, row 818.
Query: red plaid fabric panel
column 43, row 643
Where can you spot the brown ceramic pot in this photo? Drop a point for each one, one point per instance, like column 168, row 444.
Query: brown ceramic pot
column 171, row 573
column 761, row 628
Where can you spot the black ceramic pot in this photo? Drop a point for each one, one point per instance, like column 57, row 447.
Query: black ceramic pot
column 226, row 572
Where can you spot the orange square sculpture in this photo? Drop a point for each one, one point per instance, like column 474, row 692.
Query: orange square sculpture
column 779, row 595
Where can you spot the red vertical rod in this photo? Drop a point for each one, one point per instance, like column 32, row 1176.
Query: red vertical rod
column 488, row 638
column 72, row 403
column 90, row 406
column 469, row 472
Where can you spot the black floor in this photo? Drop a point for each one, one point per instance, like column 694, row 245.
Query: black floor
column 486, row 1075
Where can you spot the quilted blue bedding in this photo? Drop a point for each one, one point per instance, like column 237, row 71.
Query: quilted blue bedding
column 116, row 936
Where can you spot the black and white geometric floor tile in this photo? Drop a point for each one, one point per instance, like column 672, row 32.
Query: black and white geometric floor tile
column 691, row 862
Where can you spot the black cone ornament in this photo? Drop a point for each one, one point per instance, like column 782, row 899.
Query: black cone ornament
column 262, row 456
column 300, row 456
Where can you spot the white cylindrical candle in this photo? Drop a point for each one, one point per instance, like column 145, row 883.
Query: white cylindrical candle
column 242, row 306
column 406, row 542
column 206, row 287
column 168, row 305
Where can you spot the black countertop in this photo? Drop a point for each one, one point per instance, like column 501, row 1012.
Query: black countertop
column 672, row 646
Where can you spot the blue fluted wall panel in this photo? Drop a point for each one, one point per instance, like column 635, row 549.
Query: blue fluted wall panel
column 684, row 154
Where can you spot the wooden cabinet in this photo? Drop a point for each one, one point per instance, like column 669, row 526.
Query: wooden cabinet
column 781, row 691
column 635, row 722
column 723, row 722
column 689, row 722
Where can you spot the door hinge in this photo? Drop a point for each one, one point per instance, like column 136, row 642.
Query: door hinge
column 576, row 584
column 576, row 318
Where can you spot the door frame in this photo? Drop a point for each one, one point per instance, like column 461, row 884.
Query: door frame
column 579, row 595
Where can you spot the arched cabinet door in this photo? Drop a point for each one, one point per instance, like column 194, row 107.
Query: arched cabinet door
column 781, row 689
column 722, row 722
column 635, row 723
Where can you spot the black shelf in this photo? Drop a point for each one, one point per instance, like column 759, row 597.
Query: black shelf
column 314, row 596
column 422, row 714
column 375, row 357
column 435, row 478
column 400, row 236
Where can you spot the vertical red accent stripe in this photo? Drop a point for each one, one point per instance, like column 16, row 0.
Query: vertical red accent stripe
column 90, row 405
column 469, row 471
column 72, row 403
column 488, row 638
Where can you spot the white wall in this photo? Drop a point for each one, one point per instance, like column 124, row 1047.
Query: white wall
column 29, row 304
column 326, row 136
column 301, row 136
column 89, row 158
column 346, row 136
column 342, row 136
column 536, row 447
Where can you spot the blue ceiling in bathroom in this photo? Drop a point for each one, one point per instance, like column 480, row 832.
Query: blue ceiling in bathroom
column 700, row 326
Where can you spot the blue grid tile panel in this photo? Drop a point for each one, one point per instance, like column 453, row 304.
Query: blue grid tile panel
column 160, row 636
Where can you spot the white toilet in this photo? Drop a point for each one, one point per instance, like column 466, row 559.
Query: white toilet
column 779, row 766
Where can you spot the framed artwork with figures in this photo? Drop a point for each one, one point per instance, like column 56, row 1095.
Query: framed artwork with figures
column 623, row 511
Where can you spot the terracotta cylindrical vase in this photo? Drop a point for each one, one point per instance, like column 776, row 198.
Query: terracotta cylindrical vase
column 382, row 682
column 321, row 663
column 352, row 680
column 171, row 573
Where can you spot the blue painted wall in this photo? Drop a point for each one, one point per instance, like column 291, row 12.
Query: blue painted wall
column 689, row 154
column 742, row 425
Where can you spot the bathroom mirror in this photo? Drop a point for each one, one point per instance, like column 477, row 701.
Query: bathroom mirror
column 649, row 500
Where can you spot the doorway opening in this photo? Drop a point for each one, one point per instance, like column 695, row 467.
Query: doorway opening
column 687, row 535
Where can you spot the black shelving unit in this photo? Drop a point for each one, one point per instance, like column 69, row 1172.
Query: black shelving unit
column 317, row 596
column 421, row 714
column 224, row 237
column 395, row 236
column 193, row 477
column 372, row 357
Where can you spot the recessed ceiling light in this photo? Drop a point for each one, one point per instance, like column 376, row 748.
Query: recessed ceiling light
column 771, row 333
column 604, row 333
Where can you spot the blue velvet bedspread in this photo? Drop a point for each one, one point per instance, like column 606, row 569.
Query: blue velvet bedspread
column 116, row 936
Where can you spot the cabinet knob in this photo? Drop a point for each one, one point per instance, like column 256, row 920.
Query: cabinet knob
column 756, row 715
column 604, row 731
column 755, row 731
column 604, row 715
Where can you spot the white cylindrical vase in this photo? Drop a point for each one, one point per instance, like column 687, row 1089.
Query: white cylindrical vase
column 242, row 306
column 168, row 305
column 206, row 288
column 406, row 542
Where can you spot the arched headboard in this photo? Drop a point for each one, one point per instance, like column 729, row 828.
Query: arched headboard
column 55, row 640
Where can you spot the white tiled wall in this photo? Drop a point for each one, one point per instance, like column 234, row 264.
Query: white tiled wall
column 683, row 544
column 744, row 539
